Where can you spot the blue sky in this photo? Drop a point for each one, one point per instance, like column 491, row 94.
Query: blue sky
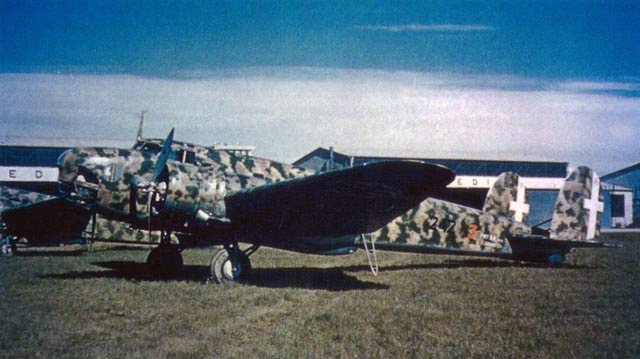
column 378, row 77
column 592, row 39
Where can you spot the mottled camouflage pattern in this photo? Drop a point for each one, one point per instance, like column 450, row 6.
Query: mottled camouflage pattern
column 115, row 231
column 500, row 196
column 105, row 229
column 13, row 198
column 444, row 225
column 570, row 218
column 114, row 176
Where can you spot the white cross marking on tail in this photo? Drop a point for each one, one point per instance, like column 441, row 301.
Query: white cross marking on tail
column 519, row 207
column 594, row 206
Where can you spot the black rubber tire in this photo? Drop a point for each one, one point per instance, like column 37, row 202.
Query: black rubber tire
column 164, row 261
column 222, row 270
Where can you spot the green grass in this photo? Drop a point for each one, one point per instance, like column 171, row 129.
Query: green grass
column 69, row 303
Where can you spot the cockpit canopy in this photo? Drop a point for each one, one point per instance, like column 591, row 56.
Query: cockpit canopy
column 180, row 152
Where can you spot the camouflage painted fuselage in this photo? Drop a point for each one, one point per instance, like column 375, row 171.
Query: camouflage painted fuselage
column 437, row 226
column 13, row 198
column 195, row 182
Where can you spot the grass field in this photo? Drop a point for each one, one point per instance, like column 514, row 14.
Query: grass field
column 70, row 303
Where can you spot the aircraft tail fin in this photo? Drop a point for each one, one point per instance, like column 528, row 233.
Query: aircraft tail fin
column 507, row 197
column 578, row 208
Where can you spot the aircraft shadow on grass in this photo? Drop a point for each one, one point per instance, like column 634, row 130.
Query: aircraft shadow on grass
column 49, row 253
column 466, row 263
column 332, row 279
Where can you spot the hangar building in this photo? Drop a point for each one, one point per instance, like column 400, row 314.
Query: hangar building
column 34, row 168
column 624, row 202
column 543, row 180
column 31, row 168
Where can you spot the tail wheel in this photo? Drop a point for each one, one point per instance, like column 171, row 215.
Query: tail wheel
column 223, row 269
column 556, row 258
column 164, row 261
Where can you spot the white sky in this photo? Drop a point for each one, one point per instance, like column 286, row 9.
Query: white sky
column 287, row 113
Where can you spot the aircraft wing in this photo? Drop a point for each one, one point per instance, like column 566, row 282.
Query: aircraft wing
column 345, row 202
column 47, row 222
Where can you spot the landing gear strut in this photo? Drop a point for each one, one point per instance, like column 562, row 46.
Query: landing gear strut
column 8, row 244
column 230, row 264
column 8, row 247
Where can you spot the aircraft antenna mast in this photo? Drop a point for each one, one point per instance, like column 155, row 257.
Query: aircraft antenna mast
column 139, row 135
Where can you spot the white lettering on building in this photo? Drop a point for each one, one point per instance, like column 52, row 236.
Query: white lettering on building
column 28, row 174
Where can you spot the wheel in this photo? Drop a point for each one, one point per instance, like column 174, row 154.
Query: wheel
column 223, row 271
column 7, row 249
column 164, row 261
column 556, row 258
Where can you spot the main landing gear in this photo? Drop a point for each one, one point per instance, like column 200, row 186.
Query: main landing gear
column 7, row 245
column 231, row 264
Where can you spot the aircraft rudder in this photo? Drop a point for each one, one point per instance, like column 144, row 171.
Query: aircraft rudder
column 507, row 197
column 579, row 207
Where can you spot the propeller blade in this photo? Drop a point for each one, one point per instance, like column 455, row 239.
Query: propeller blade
column 165, row 154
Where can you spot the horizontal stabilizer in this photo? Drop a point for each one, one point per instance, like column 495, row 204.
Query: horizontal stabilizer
column 539, row 248
column 345, row 202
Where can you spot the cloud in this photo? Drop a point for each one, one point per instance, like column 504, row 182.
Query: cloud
column 628, row 88
column 426, row 28
column 290, row 111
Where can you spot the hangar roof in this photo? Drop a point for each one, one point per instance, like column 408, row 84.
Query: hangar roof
column 29, row 156
column 40, row 151
column 627, row 177
column 621, row 172
column 320, row 159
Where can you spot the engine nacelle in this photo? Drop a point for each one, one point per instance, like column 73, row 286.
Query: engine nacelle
column 194, row 192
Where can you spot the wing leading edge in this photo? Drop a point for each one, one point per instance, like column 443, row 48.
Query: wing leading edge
column 339, row 203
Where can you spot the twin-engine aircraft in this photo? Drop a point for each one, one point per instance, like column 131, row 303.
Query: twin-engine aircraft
column 439, row 227
column 221, row 197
